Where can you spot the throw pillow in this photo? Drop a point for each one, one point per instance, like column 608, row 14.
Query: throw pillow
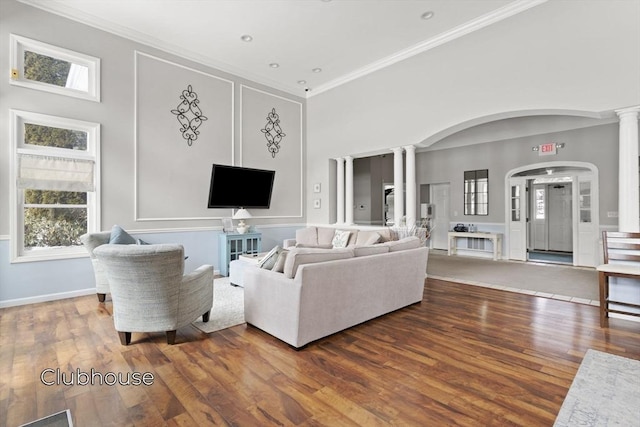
column 269, row 260
column 366, row 238
column 340, row 238
column 282, row 258
column 121, row 237
column 307, row 236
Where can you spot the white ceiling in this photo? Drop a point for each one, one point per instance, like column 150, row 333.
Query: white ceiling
column 345, row 38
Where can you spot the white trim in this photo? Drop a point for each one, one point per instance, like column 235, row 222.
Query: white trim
column 241, row 143
column 457, row 32
column 137, row 53
column 5, row 237
column 19, row 44
column 46, row 298
column 16, row 217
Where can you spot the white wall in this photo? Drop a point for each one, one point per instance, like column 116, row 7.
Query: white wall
column 561, row 55
column 116, row 114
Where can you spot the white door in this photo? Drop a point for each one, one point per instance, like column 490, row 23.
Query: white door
column 517, row 217
column 439, row 196
column 538, row 217
column 586, row 215
column 560, row 221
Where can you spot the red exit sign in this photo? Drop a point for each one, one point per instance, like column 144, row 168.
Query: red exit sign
column 547, row 149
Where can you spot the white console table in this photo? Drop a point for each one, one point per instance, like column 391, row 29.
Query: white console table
column 496, row 238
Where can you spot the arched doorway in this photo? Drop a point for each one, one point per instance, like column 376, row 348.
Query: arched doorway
column 578, row 221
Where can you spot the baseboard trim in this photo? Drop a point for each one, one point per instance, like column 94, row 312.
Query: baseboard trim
column 46, row 298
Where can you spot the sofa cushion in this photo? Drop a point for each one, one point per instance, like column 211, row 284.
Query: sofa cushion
column 325, row 235
column 318, row 246
column 307, row 236
column 370, row 250
column 411, row 242
column 366, row 238
column 121, row 237
column 340, row 238
column 298, row 257
column 269, row 260
column 278, row 267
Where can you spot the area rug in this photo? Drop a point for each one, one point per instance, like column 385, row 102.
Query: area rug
column 605, row 392
column 547, row 280
column 228, row 307
column 60, row 419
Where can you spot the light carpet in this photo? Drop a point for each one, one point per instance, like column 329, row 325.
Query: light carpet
column 604, row 392
column 552, row 280
column 228, row 307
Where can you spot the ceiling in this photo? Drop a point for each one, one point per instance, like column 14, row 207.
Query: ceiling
column 317, row 44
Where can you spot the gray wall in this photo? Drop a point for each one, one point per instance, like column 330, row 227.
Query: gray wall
column 577, row 63
column 596, row 145
column 119, row 174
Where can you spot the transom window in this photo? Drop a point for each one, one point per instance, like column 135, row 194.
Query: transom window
column 54, row 69
column 55, row 170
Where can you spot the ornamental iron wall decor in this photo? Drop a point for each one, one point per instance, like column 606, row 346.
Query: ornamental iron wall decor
column 189, row 115
column 273, row 132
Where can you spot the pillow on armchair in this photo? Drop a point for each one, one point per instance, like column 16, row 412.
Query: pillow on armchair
column 121, row 237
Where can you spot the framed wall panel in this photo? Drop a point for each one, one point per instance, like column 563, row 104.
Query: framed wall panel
column 271, row 138
column 184, row 124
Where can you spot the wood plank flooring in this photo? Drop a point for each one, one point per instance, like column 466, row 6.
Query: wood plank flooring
column 465, row 356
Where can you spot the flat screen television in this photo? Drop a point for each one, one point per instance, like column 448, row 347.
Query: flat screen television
column 238, row 187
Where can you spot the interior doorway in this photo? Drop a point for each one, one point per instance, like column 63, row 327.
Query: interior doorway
column 550, row 233
column 570, row 204
column 437, row 197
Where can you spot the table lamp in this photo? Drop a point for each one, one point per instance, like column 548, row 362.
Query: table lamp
column 242, row 214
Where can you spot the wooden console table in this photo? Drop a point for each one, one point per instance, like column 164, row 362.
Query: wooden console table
column 496, row 238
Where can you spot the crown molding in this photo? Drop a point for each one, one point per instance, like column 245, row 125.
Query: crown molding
column 457, row 32
column 65, row 11
column 498, row 15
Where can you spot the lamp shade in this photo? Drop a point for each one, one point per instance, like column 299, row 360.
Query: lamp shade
column 242, row 214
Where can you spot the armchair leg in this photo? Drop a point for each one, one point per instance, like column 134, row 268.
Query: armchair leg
column 205, row 317
column 125, row 338
column 101, row 297
column 171, row 337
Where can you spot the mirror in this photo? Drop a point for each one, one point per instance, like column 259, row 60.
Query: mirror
column 476, row 192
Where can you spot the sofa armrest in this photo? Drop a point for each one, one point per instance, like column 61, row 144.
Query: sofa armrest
column 287, row 243
column 272, row 303
column 196, row 294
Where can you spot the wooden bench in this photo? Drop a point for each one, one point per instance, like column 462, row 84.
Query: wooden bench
column 624, row 247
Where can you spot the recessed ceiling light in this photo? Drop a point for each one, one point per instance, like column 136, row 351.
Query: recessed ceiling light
column 274, row 65
column 302, row 82
column 427, row 15
column 317, row 70
column 246, row 38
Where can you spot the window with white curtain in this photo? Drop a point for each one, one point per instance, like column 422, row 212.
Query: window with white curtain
column 55, row 191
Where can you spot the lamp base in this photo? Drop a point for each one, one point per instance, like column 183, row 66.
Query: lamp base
column 242, row 227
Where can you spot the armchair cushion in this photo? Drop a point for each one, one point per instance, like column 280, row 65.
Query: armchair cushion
column 121, row 237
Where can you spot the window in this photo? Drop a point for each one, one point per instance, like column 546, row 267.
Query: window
column 50, row 68
column 54, row 199
column 476, row 192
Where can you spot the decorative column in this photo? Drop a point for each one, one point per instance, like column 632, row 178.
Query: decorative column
column 398, row 188
column 410, row 180
column 348, row 202
column 628, row 182
column 340, row 190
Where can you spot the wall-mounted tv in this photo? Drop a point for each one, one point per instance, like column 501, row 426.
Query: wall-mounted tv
column 237, row 187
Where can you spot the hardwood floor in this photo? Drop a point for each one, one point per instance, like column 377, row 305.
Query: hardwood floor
column 464, row 356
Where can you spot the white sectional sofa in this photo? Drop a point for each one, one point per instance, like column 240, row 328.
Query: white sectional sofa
column 323, row 291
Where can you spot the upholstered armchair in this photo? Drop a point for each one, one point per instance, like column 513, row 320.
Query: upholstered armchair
column 149, row 291
column 90, row 242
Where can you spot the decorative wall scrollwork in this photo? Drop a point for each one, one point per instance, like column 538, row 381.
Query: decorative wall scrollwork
column 189, row 115
column 273, row 132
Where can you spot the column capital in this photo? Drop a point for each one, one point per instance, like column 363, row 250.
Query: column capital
column 409, row 148
column 348, row 158
column 397, row 150
column 339, row 159
column 634, row 111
